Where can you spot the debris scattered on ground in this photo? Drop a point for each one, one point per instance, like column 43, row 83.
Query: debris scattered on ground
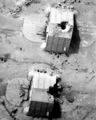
column 77, row 71
column 5, row 57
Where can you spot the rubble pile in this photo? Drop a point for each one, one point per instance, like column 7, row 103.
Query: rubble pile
column 13, row 7
column 71, row 1
column 4, row 58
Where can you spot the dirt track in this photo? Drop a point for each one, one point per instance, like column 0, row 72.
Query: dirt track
column 78, row 70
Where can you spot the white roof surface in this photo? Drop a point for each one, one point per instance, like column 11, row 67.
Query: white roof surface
column 42, row 80
column 59, row 15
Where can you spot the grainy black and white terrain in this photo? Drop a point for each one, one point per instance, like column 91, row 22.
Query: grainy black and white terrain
column 18, row 54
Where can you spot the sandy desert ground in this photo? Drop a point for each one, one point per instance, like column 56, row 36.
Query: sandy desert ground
column 18, row 55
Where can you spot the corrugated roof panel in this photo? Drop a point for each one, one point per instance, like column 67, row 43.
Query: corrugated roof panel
column 43, row 80
column 53, row 80
column 59, row 15
column 47, row 81
column 35, row 80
